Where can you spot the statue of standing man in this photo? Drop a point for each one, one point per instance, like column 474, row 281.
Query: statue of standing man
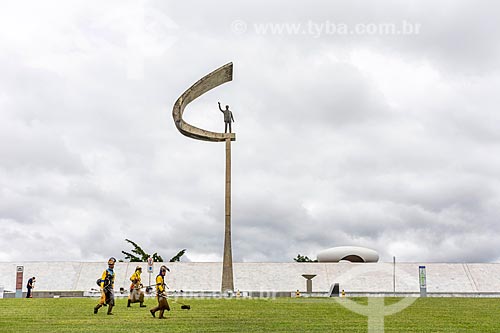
column 228, row 117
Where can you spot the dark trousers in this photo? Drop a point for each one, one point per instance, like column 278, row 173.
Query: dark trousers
column 162, row 306
column 29, row 295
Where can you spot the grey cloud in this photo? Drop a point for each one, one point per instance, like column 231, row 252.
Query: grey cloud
column 323, row 157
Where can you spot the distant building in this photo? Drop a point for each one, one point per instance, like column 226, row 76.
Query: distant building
column 348, row 253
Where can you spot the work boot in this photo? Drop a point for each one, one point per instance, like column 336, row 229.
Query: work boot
column 97, row 308
column 109, row 309
column 128, row 304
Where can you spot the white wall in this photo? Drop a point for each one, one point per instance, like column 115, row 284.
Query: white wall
column 353, row 277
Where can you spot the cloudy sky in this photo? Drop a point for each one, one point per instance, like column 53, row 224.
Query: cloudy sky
column 348, row 132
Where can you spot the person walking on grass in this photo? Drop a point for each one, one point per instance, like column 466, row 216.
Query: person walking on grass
column 136, row 294
column 161, row 294
column 107, row 284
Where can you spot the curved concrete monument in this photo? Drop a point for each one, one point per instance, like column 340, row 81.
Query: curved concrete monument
column 208, row 82
column 348, row 253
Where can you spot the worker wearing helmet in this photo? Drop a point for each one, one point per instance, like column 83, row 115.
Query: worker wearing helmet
column 107, row 287
column 136, row 294
column 161, row 294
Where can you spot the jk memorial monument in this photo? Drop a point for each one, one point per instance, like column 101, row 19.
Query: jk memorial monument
column 214, row 79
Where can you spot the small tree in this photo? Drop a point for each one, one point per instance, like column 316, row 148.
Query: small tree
column 304, row 259
column 139, row 255
column 178, row 256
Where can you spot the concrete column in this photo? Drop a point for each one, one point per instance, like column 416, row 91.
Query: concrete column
column 309, row 283
column 208, row 82
column 227, row 263
column 19, row 281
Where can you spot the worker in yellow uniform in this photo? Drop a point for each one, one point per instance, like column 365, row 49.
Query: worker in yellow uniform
column 161, row 293
column 136, row 294
column 107, row 283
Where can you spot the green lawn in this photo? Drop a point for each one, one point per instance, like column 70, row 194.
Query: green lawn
column 247, row 315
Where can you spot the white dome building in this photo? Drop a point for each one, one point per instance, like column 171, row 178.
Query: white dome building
column 348, row 253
